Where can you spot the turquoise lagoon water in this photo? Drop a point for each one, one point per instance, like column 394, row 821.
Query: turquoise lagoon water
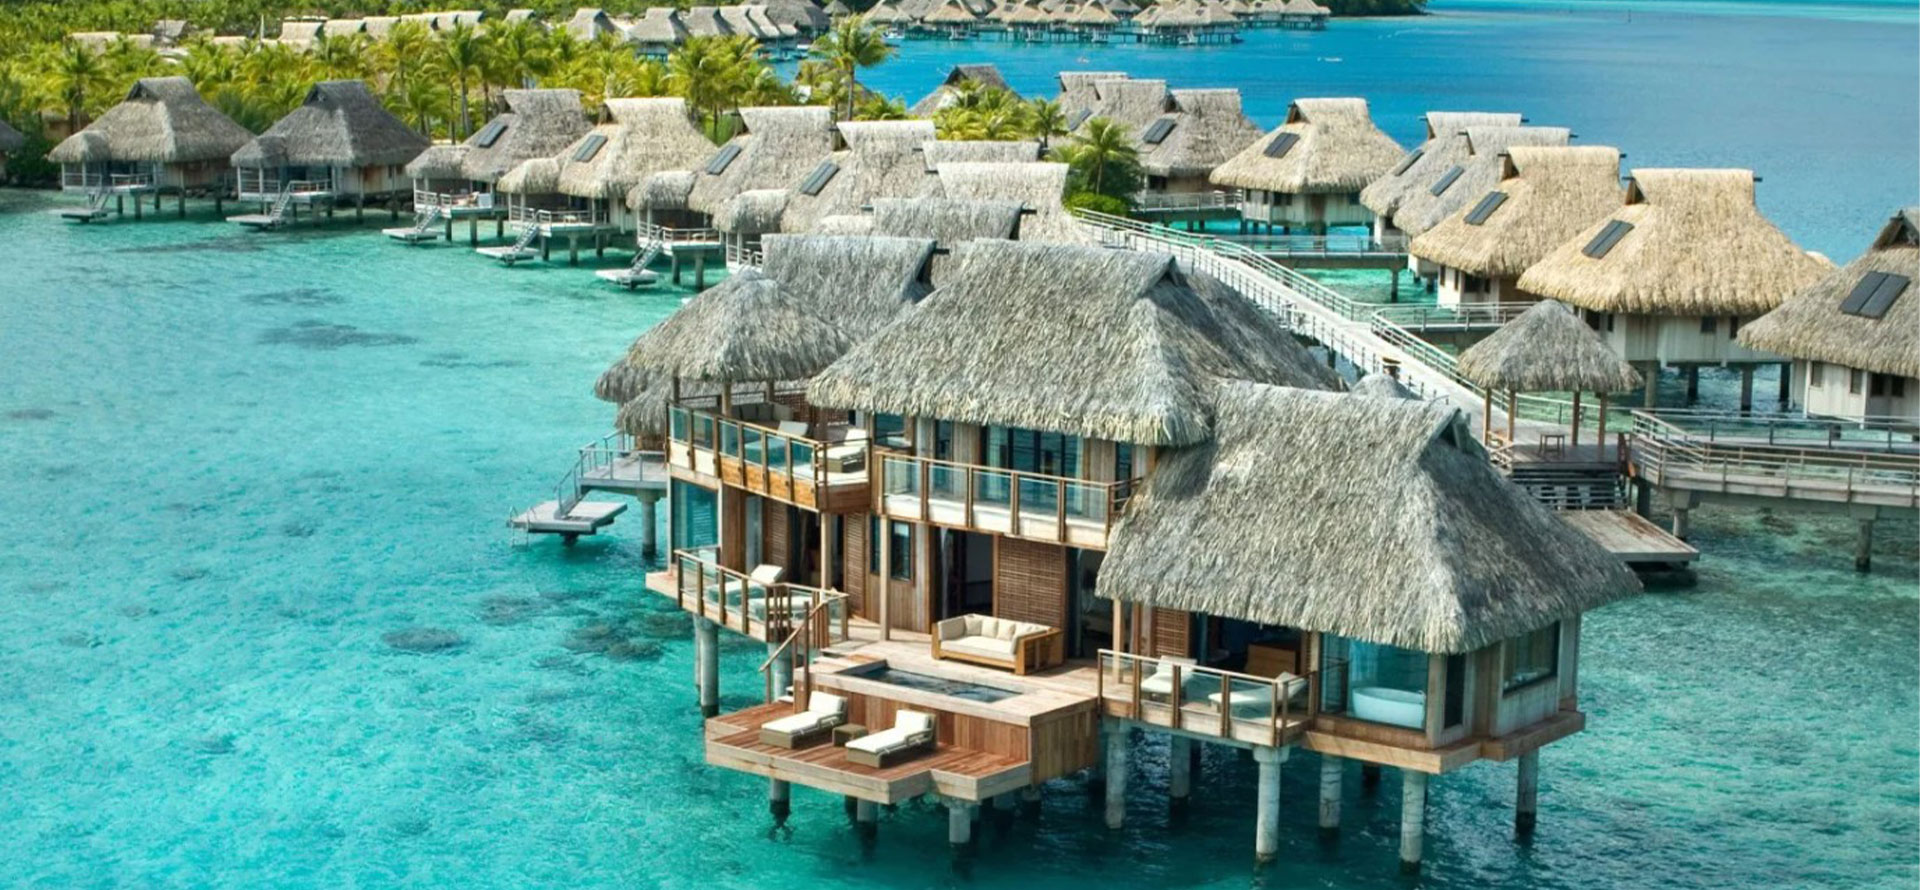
column 263, row 626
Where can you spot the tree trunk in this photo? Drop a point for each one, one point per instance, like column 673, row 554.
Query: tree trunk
column 466, row 122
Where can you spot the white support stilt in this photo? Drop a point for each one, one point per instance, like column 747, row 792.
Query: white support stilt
column 1266, row 825
column 779, row 799
column 1118, row 742
column 866, row 812
column 959, row 823
column 1526, row 802
column 649, row 526
column 1413, row 820
column 1331, row 770
column 708, row 634
column 1179, row 769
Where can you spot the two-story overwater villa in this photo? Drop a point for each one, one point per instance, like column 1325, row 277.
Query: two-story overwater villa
column 1670, row 276
column 1003, row 529
column 1544, row 197
column 1308, row 173
column 456, row 181
column 163, row 138
column 1854, row 334
column 339, row 147
column 1445, row 146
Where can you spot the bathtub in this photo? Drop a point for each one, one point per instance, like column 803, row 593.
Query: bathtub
column 1398, row 707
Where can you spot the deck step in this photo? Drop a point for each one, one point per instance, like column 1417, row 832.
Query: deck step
column 585, row 518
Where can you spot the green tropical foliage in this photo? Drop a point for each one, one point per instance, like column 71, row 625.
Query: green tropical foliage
column 1102, row 160
column 852, row 44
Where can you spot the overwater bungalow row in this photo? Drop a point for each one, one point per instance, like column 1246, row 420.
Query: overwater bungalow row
column 457, row 182
column 1853, row 337
column 341, row 146
column 1446, row 145
column 1181, row 135
column 1309, row 172
column 581, row 191
column 955, row 602
column 162, row 139
column 1670, row 275
column 1545, row 196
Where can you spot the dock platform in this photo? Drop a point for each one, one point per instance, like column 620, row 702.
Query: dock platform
column 1630, row 536
column 85, row 214
column 585, row 518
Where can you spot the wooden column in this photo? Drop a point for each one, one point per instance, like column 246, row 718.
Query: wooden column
column 1513, row 411
column 1863, row 547
column 1486, row 417
column 1746, row 389
column 1575, row 437
column 1603, row 425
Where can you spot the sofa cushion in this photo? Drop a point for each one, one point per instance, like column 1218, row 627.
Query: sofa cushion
column 982, row 647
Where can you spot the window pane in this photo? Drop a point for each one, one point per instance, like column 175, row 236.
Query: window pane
column 900, row 557
column 1531, row 657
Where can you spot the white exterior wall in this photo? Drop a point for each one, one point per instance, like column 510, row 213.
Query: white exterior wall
column 1282, row 209
column 1451, row 289
column 1679, row 340
column 1840, row 391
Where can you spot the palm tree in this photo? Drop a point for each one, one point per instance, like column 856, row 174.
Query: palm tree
column 520, row 55
column 849, row 46
column 401, row 55
column 1045, row 119
column 463, row 54
column 707, row 71
column 72, row 78
column 421, row 101
column 339, row 57
column 1104, row 156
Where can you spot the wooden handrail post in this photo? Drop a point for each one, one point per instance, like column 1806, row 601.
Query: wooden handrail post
column 1013, row 504
column 1135, row 711
column 1060, row 510
column 926, row 493
column 1175, row 697
column 1226, row 706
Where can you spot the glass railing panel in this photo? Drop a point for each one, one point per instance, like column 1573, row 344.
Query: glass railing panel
column 1249, row 699
column 703, row 430
column 776, row 446
column 1087, row 501
column 802, row 452
column 750, row 444
column 900, row 476
column 992, row 488
column 947, row 482
column 1039, row 497
column 679, row 424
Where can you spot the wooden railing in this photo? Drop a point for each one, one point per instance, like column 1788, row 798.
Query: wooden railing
column 1221, row 703
column 733, row 600
column 1035, row 506
column 1668, row 455
column 813, row 633
column 518, row 214
column 766, row 461
column 651, row 232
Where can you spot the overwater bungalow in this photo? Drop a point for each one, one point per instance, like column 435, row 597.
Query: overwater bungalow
column 881, row 160
column 776, row 149
column 705, row 21
column 340, row 146
column 1446, row 145
column 1040, row 188
column 11, row 141
column 589, row 23
column 1199, row 131
column 952, row 19
column 1853, row 338
column 1545, row 196
column 658, row 32
column 1304, row 14
column 457, row 181
column 163, row 138
column 804, row 16
column 740, row 20
column 580, row 193
column 1309, row 172
column 1670, row 276
column 1463, row 171
column 1078, row 96
column 983, row 75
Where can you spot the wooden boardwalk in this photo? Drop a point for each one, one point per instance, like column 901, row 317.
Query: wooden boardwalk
column 1629, row 536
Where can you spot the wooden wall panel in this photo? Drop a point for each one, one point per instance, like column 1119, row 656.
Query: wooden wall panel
column 733, row 529
column 773, row 536
column 1030, row 582
column 1171, row 633
column 854, row 562
column 1065, row 743
column 965, row 731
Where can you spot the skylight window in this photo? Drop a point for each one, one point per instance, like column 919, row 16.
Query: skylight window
column 819, row 178
column 1875, row 294
column 1282, row 144
column 1608, row 237
column 589, row 148
column 721, row 159
column 490, row 134
column 1446, row 181
column 1486, row 207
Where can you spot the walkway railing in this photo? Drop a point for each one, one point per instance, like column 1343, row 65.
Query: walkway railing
column 1204, row 700
column 814, row 632
column 1034, row 506
column 667, row 235
column 1320, row 245
column 734, row 600
column 1422, row 317
column 740, row 256
column 1670, row 456
column 1213, row 200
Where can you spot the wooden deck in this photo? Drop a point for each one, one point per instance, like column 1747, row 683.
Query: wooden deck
column 629, row 474
column 1629, row 536
column 733, row 741
column 586, row 518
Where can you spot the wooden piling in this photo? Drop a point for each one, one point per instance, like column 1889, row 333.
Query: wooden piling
column 1526, row 803
column 1863, row 547
column 1693, row 383
column 1746, row 389
column 1118, row 741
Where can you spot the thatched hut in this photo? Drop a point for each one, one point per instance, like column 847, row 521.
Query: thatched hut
column 1544, row 197
column 739, row 21
column 1461, row 175
column 590, row 23
column 1039, row 187
column 981, row 151
column 1309, row 172
column 1077, row 96
column 1853, row 335
column 776, row 149
column 536, row 124
column 705, row 21
column 745, row 329
column 881, row 161
column 953, row 18
column 1381, row 386
column 1445, row 145
column 1135, row 104
column 339, row 145
column 1546, row 349
column 1200, row 130
column 804, row 16
column 635, row 139
column 1671, row 275
column 1304, row 14
column 1083, row 341
column 983, row 75
column 11, row 141
column 658, row 32
column 162, row 138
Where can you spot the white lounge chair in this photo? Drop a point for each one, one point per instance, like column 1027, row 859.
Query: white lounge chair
column 850, row 456
column 824, row 712
column 912, row 733
column 1258, row 698
column 762, row 577
column 1160, row 682
column 792, row 429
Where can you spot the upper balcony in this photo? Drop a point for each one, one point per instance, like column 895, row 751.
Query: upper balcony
column 781, row 462
column 1031, row 506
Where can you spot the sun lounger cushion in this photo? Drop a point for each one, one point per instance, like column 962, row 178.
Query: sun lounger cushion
column 910, row 728
column 824, row 710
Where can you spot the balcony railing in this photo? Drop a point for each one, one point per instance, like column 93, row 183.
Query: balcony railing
column 1213, row 200
column 1033, row 506
column 667, row 235
column 785, row 466
column 1207, row 701
column 424, row 198
column 766, row 612
column 264, row 185
column 521, row 215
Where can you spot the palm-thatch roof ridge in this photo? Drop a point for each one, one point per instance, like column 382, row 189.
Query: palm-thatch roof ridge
column 978, row 151
column 1338, row 150
column 1136, row 104
column 947, row 221
column 1698, row 246
column 1547, row 349
column 1219, row 529
column 1087, row 341
column 642, row 137
column 539, row 176
column 1811, row 326
column 661, row 26
column 746, row 328
column 538, row 123
column 440, row 161
column 1208, row 128
column 1039, row 187
column 1478, row 156
column 340, row 124
column 860, row 284
column 1547, row 196
column 1077, row 92
column 1446, row 145
column 753, row 212
column 162, row 120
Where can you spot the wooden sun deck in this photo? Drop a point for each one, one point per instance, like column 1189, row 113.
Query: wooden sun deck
column 629, row 474
column 1630, row 536
column 733, row 741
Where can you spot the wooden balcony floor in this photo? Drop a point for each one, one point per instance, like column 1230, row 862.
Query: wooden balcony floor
column 1035, row 525
column 733, row 741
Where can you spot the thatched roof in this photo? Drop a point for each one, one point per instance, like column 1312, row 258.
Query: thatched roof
column 665, row 190
column 946, row 221
column 1208, row 128
column 1547, row 349
column 705, row 21
column 745, row 328
column 979, row 152
column 881, row 161
column 776, row 148
column 1088, row 341
column 1381, row 386
column 861, row 284
column 1376, row 519
column 641, row 137
column 1478, row 155
column 1135, row 104
column 1338, row 149
column 588, row 23
column 952, row 12
column 340, row 124
column 162, row 120
column 1810, row 325
column 944, row 94
column 1697, row 246
column 752, row 212
column 1092, row 15
column 1040, row 187
column 540, row 176
column 537, row 123
column 1076, row 89
column 1544, row 197
column 738, row 21
column 439, row 162
column 661, row 26
column 11, row 140
column 1446, row 145
column 804, row 15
